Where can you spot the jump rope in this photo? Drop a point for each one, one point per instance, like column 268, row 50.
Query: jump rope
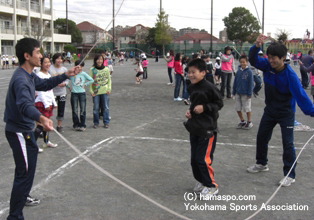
column 141, row 194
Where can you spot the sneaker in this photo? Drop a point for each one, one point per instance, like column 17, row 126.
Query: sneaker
column 82, row 129
column 169, row 84
column 178, row 99
column 286, row 181
column 186, row 102
column 198, row 187
column 60, row 129
column 76, row 129
column 95, row 126
column 257, row 168
column 208, row 192
column 255, row 94
column 241, row 124
column 30, row 201
column 40, row 150
column 106, row 126
column 49, row 144
column 248, row 126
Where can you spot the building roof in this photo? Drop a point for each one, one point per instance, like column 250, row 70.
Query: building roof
column 131, row 31
column 86, row 26
column 197, row 37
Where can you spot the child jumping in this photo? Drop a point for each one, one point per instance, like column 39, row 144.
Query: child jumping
column 78, row 96
column 139, row 71
column 202, row 116
column 242, row 91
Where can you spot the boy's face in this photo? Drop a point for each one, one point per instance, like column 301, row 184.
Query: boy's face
column 80, row 68
column 34, row 59
column 243, row 63
column 195, row 75
column 276, row 62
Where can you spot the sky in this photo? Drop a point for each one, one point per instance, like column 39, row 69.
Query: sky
column 294, row 16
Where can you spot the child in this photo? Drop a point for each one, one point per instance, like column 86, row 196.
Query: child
column 78, row 96
column 209, row 71
column 144, row 64
column 110, row 65
column 178, row 74
column 310, row 69
column 14, row 61
column 202, row 117
column 3, row 61
column 170, row 64
column 139, row 71
column 100, row 89
column 282, row 90
column 227, row 68
column 218, row 71
column 60, row 91
column 7, row 62
column 45, row 103
column 186, row 80
column 242, row 91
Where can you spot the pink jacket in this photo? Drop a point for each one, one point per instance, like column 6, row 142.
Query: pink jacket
column 171, row 63
column 227, row 63
column 145, row 63
column 312, row 79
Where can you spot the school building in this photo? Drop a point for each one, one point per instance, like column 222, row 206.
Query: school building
column 29, row 18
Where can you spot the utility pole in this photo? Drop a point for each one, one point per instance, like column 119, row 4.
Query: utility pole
column 263, row 23
column 113, row 25
column 160, row 5
column 67, row 25
column 211, row 28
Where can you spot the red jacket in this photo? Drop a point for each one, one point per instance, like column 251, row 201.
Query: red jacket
column 178, row 67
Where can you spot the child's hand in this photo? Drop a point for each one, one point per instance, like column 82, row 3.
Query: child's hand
column 198, row 109
column 188, row 114
column 108, row 92
column 93, row 95
column 300, row 63
column 70, row 88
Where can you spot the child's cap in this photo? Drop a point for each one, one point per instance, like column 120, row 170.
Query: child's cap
column 260, row 52
column 217, row 58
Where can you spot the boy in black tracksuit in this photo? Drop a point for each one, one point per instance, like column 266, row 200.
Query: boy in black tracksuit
column 202, row 117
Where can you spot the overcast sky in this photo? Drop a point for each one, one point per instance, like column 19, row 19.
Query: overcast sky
column 294, row 16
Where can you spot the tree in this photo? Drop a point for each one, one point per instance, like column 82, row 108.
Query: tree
column 76, row 34
column 150, row 39
column 162, row 34
column 282, row 35
column 70, row 48
column 241, row 25
column 39, row 31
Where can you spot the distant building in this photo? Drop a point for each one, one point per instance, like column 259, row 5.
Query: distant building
column 174, row 33
column 187, row 30
column 31, row 18
column 196, row 38
column 92, row 33
column 223, row 36
column 136, row 34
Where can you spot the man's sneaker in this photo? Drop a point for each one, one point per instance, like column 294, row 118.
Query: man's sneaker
column 169, row 84
column 95, row 126
column 248, row 126
column 49, row 144
column 82, row 129
column 257, row 168
column 286, row 181
column 76, row 129
column 241, row 124
column 177, row 99
column 40, row 150
column 30, row 201
column 208, row 192
column 60, row 129
column 198, row 187
column 186, row 102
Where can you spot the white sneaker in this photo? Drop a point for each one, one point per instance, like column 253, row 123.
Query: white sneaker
column 198, row 187
column 286, row 181
column 257, row 168
column 179, row 99
column 50, row 145
column 40, row 150
column 169, row 84
column 208, row 192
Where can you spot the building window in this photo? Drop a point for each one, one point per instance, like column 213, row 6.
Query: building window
column 48, row 47
column 7, row 47
column 57, row 48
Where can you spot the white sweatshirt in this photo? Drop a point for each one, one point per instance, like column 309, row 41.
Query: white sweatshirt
column 47, row 98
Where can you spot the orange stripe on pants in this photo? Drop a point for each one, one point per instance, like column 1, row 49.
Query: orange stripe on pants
column 209, row 161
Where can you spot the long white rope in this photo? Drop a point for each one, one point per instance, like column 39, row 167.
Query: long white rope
column 279, row 187
column 118, row 180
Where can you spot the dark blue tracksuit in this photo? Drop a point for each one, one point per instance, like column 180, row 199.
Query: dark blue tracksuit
column 282, row 90
column 20, row 114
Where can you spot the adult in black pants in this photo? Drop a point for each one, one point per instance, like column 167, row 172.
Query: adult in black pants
column 307, row 62
column 19, row 116
column 157, row 55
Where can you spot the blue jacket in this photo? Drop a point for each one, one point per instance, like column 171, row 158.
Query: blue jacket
column 243, row 82
column 282, row 89
column 20, row 112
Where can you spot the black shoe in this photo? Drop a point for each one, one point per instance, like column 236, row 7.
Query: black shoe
column 255, row 94
column 30, row 201
column 60, row 129
column 95, row 126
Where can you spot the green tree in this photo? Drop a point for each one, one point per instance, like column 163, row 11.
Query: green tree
column 241, row 25
column 76, row 34
column 150, row 39
column 70, row 48
column 282, row 35
column 162, row 34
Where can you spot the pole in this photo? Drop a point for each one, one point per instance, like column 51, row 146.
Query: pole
column 263, row 23
column 211, row 28
column 160, row 5
column 67, row 30
column 113, row 25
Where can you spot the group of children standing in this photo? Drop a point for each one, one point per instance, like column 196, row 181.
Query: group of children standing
column 5, row 62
